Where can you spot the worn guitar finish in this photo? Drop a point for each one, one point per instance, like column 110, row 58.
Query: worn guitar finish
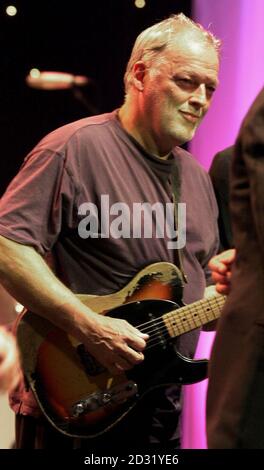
column 82, row 399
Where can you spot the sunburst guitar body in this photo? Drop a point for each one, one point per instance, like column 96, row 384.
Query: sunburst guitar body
column 81, row 398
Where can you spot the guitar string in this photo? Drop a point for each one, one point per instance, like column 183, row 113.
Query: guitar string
column 188, row 308
column 177, row 324
column 155, row 338
column 164, row 330
column 190, row 316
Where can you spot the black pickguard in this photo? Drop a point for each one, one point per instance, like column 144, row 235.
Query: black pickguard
column 163, row 364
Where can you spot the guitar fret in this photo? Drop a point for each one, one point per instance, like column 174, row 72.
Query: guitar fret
column 193, row 316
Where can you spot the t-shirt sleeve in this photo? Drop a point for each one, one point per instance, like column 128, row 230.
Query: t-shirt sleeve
column 32, row 208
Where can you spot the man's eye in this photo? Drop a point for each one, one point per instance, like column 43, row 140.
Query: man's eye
column 211, row 89
column 185, row 82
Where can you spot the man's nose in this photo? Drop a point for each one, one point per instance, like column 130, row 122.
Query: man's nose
column 199, row 96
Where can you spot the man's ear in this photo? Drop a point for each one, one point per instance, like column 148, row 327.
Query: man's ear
column 139, row 73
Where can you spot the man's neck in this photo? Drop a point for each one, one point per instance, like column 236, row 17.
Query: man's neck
column 134, row 125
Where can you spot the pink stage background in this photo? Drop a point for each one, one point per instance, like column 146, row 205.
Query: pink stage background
column 239, row 23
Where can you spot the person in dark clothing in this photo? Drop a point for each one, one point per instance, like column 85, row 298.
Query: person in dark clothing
column 220, row 174
column 235, row 412
column 63, row 202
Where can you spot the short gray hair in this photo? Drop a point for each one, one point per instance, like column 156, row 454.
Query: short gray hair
column 155, row 39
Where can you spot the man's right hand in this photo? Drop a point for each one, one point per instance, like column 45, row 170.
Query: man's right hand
column 220, row 266
column 114, row 343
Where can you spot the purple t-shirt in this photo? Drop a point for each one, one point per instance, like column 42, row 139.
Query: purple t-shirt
column 46, row 204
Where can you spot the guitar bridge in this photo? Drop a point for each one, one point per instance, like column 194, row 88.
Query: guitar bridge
column 113, row 396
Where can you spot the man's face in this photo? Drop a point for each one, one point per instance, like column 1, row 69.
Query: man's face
column 177, row 93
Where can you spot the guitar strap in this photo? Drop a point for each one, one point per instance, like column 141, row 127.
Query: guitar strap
column 176, row 197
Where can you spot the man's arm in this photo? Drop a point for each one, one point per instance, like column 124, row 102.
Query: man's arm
column 116, row 344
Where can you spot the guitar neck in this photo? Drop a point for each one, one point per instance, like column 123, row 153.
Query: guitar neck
column 193, row 316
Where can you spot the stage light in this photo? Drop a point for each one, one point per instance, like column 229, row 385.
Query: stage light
column 34, row 73
column 52, row 80
column 140, row 3
column 48, row 80
column 11, row 10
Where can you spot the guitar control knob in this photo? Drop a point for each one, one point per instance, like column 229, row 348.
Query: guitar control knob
column 106, row 398
column 78, row 409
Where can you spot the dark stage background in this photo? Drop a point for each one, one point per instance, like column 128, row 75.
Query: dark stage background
column 92, row 38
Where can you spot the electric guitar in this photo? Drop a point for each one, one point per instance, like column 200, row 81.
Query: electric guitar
column 80, row 397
